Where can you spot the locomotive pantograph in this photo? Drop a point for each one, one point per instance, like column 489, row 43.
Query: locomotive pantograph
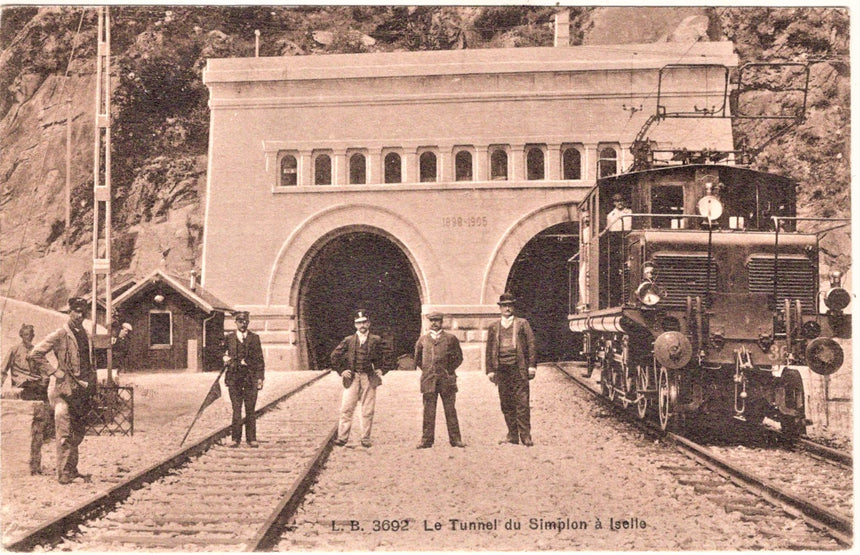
column 701, row 297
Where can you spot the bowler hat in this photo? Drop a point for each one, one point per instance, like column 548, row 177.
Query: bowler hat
column 241, row 315
column 507, row 298
column 361, row 316
column 80, row 304
column 435, row 316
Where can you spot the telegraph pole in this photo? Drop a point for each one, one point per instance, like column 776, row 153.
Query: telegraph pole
column 102, row 191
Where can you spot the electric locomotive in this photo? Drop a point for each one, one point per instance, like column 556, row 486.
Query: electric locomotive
column 701, row 296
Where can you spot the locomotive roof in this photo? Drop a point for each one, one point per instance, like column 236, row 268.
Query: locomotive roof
column 687, row 167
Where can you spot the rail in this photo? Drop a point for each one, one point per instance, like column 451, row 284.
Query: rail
column 52, row 531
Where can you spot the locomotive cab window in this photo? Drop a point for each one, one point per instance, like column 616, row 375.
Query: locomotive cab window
column 669, row 200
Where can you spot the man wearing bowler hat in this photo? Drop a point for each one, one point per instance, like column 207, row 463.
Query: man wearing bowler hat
column 71, row 386
column 360, row 359
column 510, row 364
column 438, row 355
column 246, row 368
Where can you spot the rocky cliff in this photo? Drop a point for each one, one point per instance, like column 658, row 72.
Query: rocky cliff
column 160, row 117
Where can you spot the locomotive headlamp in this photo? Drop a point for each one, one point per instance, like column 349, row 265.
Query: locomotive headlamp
column 649, row 293
column 710, row 207
column 837, row 299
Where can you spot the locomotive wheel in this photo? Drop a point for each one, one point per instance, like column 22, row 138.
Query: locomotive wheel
column 793, row 426
column 667, row 395
column 641, row 387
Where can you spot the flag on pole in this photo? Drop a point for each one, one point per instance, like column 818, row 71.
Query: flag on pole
column 213, row 395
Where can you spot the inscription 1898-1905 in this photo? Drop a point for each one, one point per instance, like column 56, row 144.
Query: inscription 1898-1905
column 464, row 221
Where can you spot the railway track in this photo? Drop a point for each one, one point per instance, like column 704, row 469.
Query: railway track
column 817, row 489
column 209, row 496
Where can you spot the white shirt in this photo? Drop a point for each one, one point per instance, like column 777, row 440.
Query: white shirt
column 241, row 335
column 507, row 322
column 362, row 337
column 435, row 334
column 614, row 222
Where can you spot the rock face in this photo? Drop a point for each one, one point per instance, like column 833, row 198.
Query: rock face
column 158, row 209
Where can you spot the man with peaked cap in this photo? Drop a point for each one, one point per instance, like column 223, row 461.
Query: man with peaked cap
column 360, row 359
column 438, row 355
column 243, row 356
column 71, row 386
column 510, row 364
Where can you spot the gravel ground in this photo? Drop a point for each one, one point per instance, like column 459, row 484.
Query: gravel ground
column 165, row 404
column 584, row 467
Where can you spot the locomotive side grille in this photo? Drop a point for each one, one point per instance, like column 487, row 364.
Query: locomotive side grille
column 683, row 275
column 796, row 279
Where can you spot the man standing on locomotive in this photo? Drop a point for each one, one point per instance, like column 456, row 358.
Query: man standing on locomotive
column 438, row 355
column 615, row 220
column 510, row 363
column 243, row 356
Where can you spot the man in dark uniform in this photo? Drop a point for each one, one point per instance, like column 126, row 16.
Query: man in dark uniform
column 243, row 355
column 360, row 359
column 510, row 364
column 71, row 386
column 438, row 355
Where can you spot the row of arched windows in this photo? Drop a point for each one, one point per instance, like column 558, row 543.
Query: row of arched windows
column 428, row 166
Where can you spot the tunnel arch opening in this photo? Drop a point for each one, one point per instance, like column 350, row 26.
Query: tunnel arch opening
column 352, row 270
column 539, row 280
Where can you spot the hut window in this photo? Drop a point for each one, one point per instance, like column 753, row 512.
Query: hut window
column 499, row 165
column 463, row 166
column 322, row 170
column 534, row 164
column 160, row 329
column 357, row 169
column 607, row 161
column 392, row 168
column 427, row 167
column 289, row 170
column 571, row 161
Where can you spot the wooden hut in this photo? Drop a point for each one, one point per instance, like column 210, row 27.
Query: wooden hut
column 177, row 324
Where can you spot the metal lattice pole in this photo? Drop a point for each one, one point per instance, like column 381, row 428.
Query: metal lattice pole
column 102, row 191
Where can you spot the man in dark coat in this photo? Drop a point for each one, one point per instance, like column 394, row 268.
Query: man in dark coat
column 438, row 355
column 71, row 387
column 510, row 364
column 246, row 368
column 360, row 359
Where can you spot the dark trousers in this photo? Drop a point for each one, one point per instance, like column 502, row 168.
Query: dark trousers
column 244, row 392
column 429, row 427
column 514, row 398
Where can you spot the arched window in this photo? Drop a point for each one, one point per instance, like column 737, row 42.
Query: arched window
column 357, row 169
column 534, row 164
column 393, row 168
column 463, row 166
column 571, row 164
column 427, row 167
column 607, row 161
column 322, row 170
column 499, row 165
column 289, row 170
